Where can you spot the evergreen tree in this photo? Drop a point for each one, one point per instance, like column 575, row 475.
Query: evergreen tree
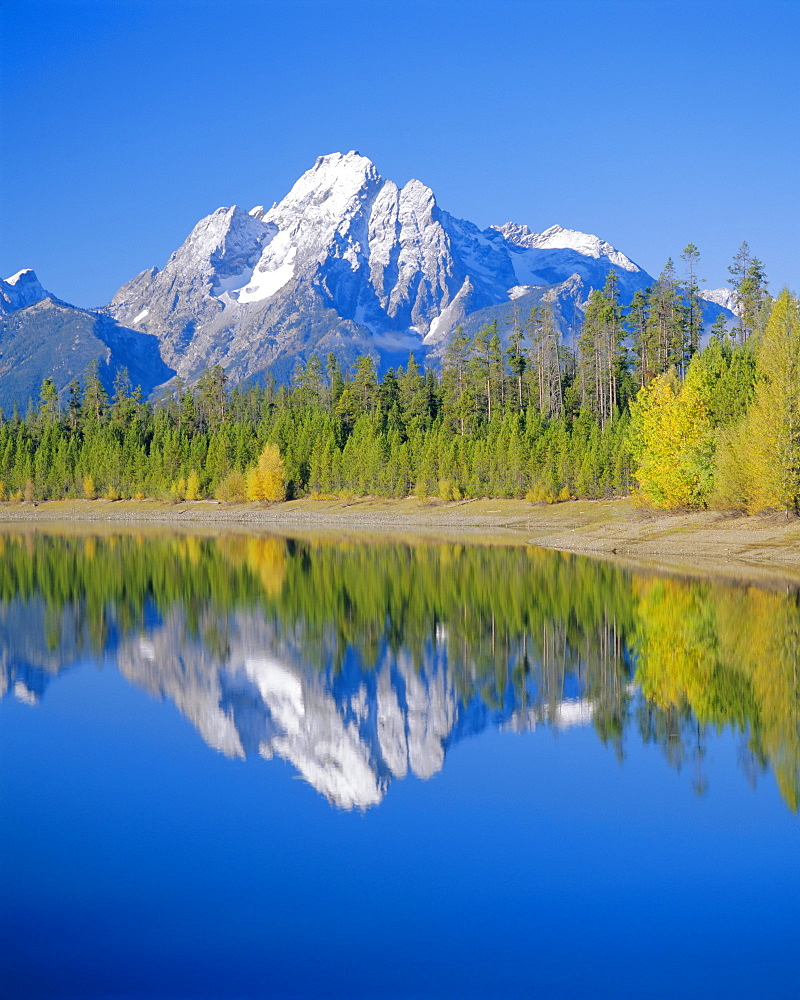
column 601, row 355
column 454, row 386
column 638, row 326
column 665, row 334
column 515, row 355
column 693, row 312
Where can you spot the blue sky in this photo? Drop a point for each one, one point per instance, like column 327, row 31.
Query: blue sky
column 651, row 124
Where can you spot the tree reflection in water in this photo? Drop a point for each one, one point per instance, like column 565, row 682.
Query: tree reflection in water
column 361, row 660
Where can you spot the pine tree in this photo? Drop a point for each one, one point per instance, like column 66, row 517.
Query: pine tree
column 694, row 313
column 95, row 397
column 719, row 329
column 754, row 298
column 365, row 384
column 601, row 354
column 413, row 397
column 211, row 398
column 454, row 383
column 515, row 356
column 637, row 323
column 49, row 410
column 749, row 284
column 335, row 380
column 666, row 322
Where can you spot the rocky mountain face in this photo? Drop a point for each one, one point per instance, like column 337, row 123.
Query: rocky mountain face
column 51, row 339
column 347, row 262
column 19, row 291
column 724, row 297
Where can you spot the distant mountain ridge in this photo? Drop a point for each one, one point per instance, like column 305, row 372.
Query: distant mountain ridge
column 347, row 262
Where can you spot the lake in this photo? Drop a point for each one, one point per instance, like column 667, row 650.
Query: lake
column 254, row 766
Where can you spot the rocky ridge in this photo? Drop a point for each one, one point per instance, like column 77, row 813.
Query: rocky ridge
column 348, row 262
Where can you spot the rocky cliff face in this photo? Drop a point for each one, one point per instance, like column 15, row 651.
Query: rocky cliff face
column 50, row 339
column 19, row 291
column 347, row 262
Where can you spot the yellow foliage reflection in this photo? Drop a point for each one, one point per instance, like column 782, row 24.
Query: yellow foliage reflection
column 730, row 656
column 266, row 558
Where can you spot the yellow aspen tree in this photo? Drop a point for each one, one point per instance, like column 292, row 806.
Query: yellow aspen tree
column 673, row 441
column 267, row 481
column 192, row 486
column 772, row 425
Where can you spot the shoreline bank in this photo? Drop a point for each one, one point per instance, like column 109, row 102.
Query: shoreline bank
column 762, row 547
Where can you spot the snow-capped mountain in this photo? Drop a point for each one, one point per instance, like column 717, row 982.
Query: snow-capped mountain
column 19, row 291
column 348, row 262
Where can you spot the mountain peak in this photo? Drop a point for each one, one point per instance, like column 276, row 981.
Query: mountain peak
column 329, row 188
column 350, row 261
column 20, row 290
column 339, row 169
column 27, row 274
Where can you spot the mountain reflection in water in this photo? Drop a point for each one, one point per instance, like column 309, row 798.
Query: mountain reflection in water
column 362, row 663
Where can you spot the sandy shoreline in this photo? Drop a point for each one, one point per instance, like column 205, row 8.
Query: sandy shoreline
column 765, row 547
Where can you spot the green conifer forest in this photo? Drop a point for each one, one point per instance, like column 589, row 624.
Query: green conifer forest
column 636, row 407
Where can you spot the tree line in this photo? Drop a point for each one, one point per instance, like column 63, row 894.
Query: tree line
column 634, row 405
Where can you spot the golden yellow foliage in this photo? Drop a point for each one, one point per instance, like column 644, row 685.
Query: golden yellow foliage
column 267, row 481
column 448, row 490
column 192, row 486
column 771, row 457
column 232, row 489
column 673, row 442
column 728, row 654
column 543, row 494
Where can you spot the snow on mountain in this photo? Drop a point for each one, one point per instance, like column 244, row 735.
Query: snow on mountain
column 558, row 238
column 218, row 256
column 724, row 297
column 20, row 291
column 346, row 261
column 551, row 257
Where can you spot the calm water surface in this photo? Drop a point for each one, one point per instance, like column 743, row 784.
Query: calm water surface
column 253, row 767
